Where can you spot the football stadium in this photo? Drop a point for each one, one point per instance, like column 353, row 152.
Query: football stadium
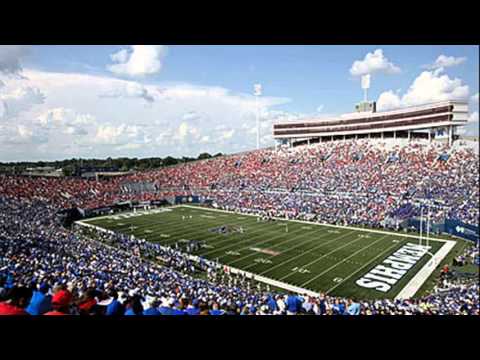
column 372, row 212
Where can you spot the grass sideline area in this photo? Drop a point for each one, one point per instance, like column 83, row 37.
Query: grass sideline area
column 311, row 256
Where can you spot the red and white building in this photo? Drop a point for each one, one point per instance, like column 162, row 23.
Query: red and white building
column 440, row 119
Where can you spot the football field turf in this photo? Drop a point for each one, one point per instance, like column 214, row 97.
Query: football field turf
column 307, row 255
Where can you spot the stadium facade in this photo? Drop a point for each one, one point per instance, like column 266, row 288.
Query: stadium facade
column 429, row 121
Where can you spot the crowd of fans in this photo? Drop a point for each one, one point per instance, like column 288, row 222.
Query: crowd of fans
column 357, row 182
column 48, row 269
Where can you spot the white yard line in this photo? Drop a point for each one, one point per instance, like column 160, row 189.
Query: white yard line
column 364, row 266
column 281, row 243
column 261, row 234
column 310, row 250
column 329, row 225
column 340, row 262
column 422, row 275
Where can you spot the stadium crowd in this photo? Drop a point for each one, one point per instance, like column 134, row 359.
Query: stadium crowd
column 47, row 269
column 356, row 182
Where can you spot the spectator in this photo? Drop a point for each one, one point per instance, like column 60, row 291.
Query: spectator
column 114, row 308
column 60, row 303
column 17, row 299
column 41, row 302
column 353, row 307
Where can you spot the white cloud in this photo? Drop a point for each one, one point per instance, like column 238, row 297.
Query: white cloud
column 74, row 130
column 10, row 56
column 372, row 63
column 24, row 132
column 186, row 133
column 320, row 108
column 118, row 135
column 182, row 131
column 120, row 57
column 444, row 61
column 67, row 120
column 21, row 135
column 108, row 134
column 19, row 99
column 128, row 146
column 191, row 115
column 80, row 122
column 388, row 100
column 473, row 117
column 429, row 86
column 138, row 60
column 3, row 110
column 228, row 134
column 129, row 90
column 474, row 98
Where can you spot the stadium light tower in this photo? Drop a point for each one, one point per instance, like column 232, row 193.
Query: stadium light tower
column 257, row 91
column 365, row 86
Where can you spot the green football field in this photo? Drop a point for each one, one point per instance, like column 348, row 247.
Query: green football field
column 307, row 255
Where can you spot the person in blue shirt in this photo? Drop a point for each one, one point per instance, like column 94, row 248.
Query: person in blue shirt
column 115, row 307
column 9, row 283
column 272, row 304
column 192, row 307
column 293, row 304
column 215, row 310
column 178, row 312
column 338, row 307
column 40, row 302
column 151, row 307
column 353, row 307
column 151, row 311
column 134, row 306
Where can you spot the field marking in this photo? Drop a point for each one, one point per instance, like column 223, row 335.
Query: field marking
column 281, row 243
column 424, row 273
column 260, row 234
column 325, row 255
column 142, row 223
column 171, row 225
column 328, row 225
column 365, row 265
column 341, row 262
column 310, row 250
column 222, row 239
column 174, row 225
column 109, row 216
column 218, row 239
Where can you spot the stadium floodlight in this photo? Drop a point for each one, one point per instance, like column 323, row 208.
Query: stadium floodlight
column 257, row 91
column 365, row 85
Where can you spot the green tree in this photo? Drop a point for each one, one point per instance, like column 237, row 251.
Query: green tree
column 204, row 156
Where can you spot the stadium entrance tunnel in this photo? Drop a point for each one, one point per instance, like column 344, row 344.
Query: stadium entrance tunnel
column 67, row 217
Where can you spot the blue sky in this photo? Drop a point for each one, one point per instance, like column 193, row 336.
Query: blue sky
column 182, row 100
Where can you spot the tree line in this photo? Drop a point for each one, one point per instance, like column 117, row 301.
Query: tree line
column 74, row 167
